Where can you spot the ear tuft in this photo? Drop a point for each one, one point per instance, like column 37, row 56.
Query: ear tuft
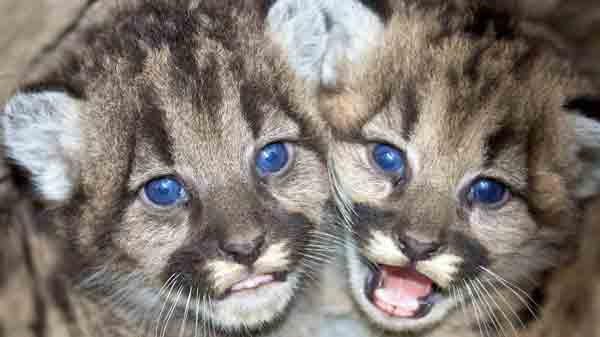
column 41, row 135
column 587, row 135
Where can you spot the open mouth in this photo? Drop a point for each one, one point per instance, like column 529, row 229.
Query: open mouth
column 401, row 291
column 256, row 281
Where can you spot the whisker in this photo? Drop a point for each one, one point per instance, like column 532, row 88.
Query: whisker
column 197, row 313
column 484, row 310
column 478, row 314
column 315, row 254
column 514, row 288
column 463, row 303
column 205, row 310
column 503, row 299
column 212, row 328
column 174, row 282
column 185, row 314
column 316, row 259
column 164, row 287
column 328, row 237
column 172, row 311
column 485, row 295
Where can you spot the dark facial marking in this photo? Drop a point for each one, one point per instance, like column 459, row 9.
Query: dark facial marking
column 472, row 252
column 472, row 67
column 523, row 63
column 486, row 19
column 498, row 141
column 153, row 130
column 252, row 96
column 410, row 111
column 369, row 217
column 211, row 90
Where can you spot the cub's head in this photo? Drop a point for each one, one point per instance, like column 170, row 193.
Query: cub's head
column 181, row 159
column 460, row 155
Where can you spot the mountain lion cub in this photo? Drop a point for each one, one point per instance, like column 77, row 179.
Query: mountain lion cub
column 462, row 150
column 182, row 163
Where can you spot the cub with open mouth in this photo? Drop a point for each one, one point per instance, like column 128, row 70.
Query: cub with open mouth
column 177, row 154
column 461, row 154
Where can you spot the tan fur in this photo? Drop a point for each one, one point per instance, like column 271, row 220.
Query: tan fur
column 191, row 90
column 572, row 306
column 442, row 96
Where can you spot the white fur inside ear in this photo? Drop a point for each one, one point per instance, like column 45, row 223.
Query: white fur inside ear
column 353, row 29
column 587, row 134
column 299, row 27
column 317, row 35
column 41, row 132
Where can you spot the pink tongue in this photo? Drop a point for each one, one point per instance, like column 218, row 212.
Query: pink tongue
column 401, row 290
column 406, row 282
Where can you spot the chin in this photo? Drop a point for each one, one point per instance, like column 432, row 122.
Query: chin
column 419, row 313
column 250, row 308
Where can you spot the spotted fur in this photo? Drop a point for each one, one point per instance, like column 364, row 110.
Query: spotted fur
column 464, row 93
column 193, row 90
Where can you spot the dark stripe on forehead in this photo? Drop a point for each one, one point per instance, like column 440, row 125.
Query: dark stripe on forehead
column 524, row 62
column 410, row 109
column 472, row 66
column 252, row 97
column 198, row 79
column 153, row 129
column 209, row 93
column 498, row 141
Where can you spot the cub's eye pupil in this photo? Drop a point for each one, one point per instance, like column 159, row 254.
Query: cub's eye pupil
column 487, row 191
column 164, row 191
column 272, row 158
column 388, row 158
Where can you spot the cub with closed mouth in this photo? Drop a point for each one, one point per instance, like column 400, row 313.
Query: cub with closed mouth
column 177, row 154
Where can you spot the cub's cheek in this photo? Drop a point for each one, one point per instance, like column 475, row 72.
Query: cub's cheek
column 504, row 230
column 149, row 242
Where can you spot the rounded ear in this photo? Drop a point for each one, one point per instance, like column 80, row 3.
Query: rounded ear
column 353, row 28
column 319, row 35
column 299, row 28
column 42, row 136
column 587, row 135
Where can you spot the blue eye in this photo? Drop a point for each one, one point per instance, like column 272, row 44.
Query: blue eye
column 272, row 158
column 164, row 191
column 389, row 158
column 488, row 192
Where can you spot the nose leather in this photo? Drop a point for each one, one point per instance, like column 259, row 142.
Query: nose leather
column 418, row 250
column 244, row 250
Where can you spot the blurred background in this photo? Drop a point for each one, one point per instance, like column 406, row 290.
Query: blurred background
column 28, row 27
